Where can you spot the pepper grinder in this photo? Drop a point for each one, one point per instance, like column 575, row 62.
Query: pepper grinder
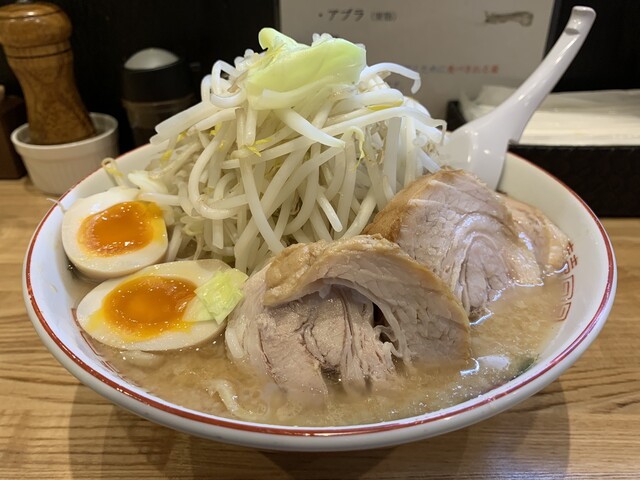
column 35, row 37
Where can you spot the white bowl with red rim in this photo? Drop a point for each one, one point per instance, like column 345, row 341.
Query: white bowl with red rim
column 51, row 292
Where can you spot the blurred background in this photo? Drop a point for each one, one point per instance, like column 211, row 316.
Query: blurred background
column 463, row 49
column 107, row 32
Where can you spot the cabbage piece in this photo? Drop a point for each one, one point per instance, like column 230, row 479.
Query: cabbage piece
column 289, row 66
column 219, row 296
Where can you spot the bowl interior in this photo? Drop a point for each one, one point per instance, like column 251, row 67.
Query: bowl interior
column 51, row 292
column 591, row 275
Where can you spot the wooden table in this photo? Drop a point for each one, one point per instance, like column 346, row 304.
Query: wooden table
column 585, row 425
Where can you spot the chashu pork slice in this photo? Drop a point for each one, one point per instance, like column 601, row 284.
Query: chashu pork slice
column 541, row 236
column 456, row 226
column 423, row 319
column 303, row 344
column 307, row 318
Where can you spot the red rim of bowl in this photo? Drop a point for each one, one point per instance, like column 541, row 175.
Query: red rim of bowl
column 328, row 431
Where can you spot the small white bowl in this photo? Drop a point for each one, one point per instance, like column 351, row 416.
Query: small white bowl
column 50, row 292
column 56, row 168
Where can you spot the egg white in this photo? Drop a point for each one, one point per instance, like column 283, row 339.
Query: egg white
column 100, row 267
column 196, row 271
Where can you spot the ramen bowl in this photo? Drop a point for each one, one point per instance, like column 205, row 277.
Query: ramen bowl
column 51, row 292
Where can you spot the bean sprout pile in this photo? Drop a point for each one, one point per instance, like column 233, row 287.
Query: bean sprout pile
column 243, row 175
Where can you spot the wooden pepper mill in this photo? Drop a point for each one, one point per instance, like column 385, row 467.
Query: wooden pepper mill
column 35, row 37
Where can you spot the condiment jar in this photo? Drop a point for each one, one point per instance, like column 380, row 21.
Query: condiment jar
column 156, row 84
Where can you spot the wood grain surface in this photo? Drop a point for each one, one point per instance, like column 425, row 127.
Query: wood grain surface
column 585, row 425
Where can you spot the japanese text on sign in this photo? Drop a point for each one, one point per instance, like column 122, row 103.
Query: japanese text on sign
column 356, row 14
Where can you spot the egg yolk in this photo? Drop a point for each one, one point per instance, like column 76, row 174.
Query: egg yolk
column 122, row 228
column 144, row 307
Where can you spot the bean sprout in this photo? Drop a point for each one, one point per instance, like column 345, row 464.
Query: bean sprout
column 245, row 178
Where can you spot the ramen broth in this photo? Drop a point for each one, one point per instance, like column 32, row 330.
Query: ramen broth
column 505, row 343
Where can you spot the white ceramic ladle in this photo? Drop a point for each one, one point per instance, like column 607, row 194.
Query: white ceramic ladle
column 480, row 146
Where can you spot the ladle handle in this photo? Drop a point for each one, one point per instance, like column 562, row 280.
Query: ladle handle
column 515, row 112
column 35, row 37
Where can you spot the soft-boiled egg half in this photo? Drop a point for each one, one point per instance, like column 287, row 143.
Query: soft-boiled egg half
column 162, row 307
column 112, row 233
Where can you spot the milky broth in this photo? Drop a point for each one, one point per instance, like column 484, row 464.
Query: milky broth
column 504, row 344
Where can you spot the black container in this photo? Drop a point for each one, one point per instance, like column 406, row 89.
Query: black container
column 153, row 94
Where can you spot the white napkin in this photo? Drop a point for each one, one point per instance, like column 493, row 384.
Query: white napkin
column 607, row 117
